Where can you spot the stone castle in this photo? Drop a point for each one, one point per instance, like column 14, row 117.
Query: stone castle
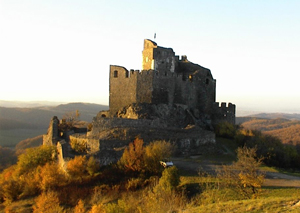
column 171, row 99
column 166, row 79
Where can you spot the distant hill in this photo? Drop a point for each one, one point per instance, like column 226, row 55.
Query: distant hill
column 39, row 117
column 20, row 123
column 30, row 104
column 28, row 143
column 281, row 125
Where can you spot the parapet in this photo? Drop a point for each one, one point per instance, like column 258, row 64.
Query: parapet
column 224, row 112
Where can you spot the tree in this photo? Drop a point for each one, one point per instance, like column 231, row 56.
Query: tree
column 154, row 153
column 226, row 129
column 77, row 167
column 170, row 179
column 47, row 202
column 50, row 176
column 132, row 158
column 79, row 208
column 92, row 166
column 244, row 175
column 34, row 157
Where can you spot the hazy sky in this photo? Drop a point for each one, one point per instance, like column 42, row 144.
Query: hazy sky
column 60, row 50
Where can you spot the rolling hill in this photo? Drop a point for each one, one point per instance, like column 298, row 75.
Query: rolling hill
column 20, row 123
column 284, row 126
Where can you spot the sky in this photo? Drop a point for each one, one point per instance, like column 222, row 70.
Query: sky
column 60, row 50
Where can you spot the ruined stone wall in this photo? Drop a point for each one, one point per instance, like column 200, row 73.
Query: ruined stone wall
column 101, row 124
column 62, row 150
column 52, row 135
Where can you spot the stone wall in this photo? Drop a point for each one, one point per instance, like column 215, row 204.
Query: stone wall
column 224, row 113
column 122, row 88
column 52, row 135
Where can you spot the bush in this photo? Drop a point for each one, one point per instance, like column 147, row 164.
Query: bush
column 47, row 202
column 34, row 157
column 244, row 176
column 169, row 181
column 226, row 129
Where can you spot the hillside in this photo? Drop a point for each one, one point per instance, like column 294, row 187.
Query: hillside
column 20, row 123
column 286, row 126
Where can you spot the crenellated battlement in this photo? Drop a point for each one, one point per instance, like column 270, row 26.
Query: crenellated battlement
column 224, row 112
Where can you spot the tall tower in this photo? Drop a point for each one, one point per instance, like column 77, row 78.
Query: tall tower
column 148, row 60
column 158, row 58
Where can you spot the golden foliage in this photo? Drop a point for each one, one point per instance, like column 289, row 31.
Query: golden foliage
column 132, row 158
column 47, row 202
column 77, row 167
column 79, row 208
column 244, row 175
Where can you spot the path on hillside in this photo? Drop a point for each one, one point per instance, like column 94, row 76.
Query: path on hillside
column 192, row 167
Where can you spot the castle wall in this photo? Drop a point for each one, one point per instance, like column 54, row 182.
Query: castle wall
column 224, row 113
column 165, row 80
column 122, row 88
column 145, row 86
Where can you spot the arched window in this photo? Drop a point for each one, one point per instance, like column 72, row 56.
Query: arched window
column 115, row 74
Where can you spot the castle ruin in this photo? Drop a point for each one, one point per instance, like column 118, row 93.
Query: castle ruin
column 170, row 99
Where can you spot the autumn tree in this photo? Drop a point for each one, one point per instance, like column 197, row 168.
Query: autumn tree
column 47, row 202
column 34, row 157
column 50, row 176
column 79, row 208
column 92, row 166
column 154, row 153
column 77, row 167
column 243, row 175
column 133, row 156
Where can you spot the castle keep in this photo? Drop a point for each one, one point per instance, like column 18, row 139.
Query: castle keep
column 167, row 79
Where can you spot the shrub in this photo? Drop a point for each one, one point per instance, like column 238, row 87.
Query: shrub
column 34, row 157
column 132, row 158
column 154, row 153
column 77, row 167
column 244, row 175
column 169, row 181
column 47, row 202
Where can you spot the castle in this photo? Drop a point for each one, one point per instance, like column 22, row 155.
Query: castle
column 166, row 79
column 169, row 99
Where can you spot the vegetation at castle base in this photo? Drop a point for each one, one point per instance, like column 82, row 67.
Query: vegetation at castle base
column 137, row 183
column 270, row 148
column 244, row 175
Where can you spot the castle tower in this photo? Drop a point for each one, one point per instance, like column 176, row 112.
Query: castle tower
column 158, row 58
